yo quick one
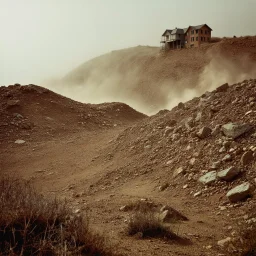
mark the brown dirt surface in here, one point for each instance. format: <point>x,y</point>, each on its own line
<point>104,156</point>
<point>105,168</point>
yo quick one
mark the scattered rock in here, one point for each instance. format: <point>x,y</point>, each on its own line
<point>198,193</point>
<point>163,216</point>
<point>240,192</point>
<point>124,208</point>
<point>223,88</point>
<point>19,141</point>
<point>215,165</point>
<point>224,242</point>
<point>178,171</point>
<point>192,161</point>
<point>204,132</point>
<point>12,103</point>
<point>163,187</point>
<point>208,178</point>
<point>216,130</point>
<point>167,131</point>
<point>247,158</point>
<point>181,105</point>
<point>227,158</point>
<point>234,130</point>
<point>228,174</point>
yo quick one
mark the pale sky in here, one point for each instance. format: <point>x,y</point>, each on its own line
<point>42,39</point>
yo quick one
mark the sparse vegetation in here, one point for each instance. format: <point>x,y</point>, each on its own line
<point>249,241</point>
<point>149,225</point>
<point>32,225</point>
<point>147,222</point>
<point>142,206</point>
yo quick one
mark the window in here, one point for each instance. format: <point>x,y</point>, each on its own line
<point>205,31</point>
<point>202,39</point>
<point>202,31</point>
<point>197,31</point>
<point>196,38</point>
<point>192,32</point>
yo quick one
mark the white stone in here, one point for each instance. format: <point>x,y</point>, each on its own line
<point>19,141</point>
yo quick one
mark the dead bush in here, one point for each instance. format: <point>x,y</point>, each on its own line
<point>248,239</point>
<point>149,225</point>
<point>142,206</point>
<point>32,225</point>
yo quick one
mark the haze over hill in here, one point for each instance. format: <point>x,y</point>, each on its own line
<point>150,80</point>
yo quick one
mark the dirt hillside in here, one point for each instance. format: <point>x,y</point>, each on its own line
<point>32,111</point>
<point>189,158</point>
<point>149,80</point>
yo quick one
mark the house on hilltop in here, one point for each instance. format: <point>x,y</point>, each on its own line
<point>193,36</point>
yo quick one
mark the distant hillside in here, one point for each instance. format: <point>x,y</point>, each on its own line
<point>149,80</point>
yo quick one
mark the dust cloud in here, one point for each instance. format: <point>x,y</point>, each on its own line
<point>150,96</point>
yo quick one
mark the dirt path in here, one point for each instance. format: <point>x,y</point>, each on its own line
<point>65,167</point>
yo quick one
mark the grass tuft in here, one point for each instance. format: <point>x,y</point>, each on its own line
<point>32,225</point>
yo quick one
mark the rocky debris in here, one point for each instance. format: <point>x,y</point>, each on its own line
<point>167,213</point>
<point>247,158</point>
<point>19,141</point>
<point>163,187</point>
<point>224,242</point>
<point>164,216</point>
<point>223,88</point>
<point>181,105</point>
<point>216,130</point>
<point>12,103</point>
<point>227,158</point>
<point>228,174</point>
<point>204,132</point>
<point>198,194</point>
<point>208,178</point>
<point>215,165</point>
<point>124,208</point>
<point>234,130</point>
<point>178,171</point>
<point>240,192</point>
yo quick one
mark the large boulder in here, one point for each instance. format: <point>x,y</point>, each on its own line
<point>228,174</point>
<point>208,178</point>
<point>240,192</point>
<point>234,130</point>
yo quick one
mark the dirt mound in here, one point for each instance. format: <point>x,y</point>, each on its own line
<point>149,80</point>
<point>32,110</point>
<point>171,139</point>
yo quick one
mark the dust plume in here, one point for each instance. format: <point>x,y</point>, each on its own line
<point>150,92</point>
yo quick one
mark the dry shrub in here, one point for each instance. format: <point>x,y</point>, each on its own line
<point>142,206</point>
<point>149,225</point>
<point>147,222</point>
<point>32,225</point>
<point>249,241</point>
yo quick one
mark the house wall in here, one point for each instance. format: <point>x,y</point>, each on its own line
<point>203,35</point>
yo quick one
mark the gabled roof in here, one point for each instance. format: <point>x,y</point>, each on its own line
<point>177,31</point>
<point>185,30</point>
<point>199,26</point>
<point>167,30</point>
